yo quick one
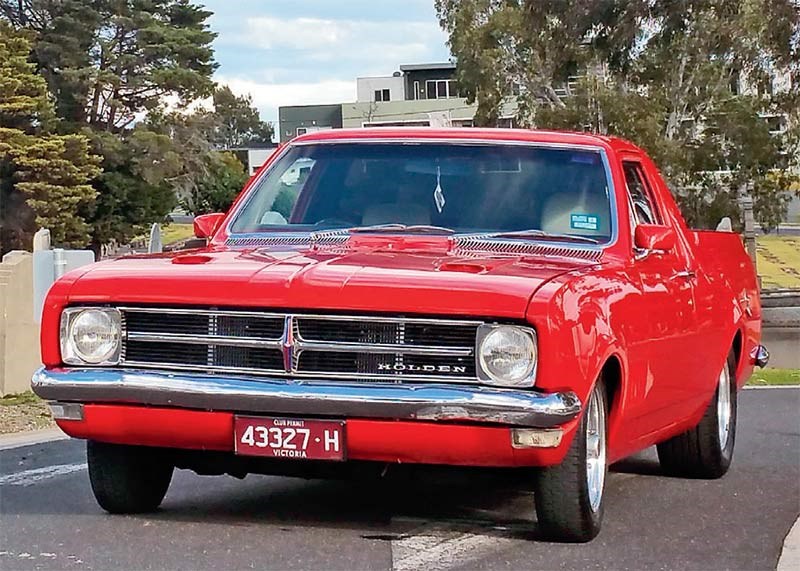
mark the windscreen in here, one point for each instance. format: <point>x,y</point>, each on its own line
<point>467,188</point>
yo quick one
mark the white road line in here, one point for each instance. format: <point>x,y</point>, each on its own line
<point>789,559</point>
<point>438,550</point>
<point>30,477</point>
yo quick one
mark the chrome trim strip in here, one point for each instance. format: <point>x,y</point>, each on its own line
<point>382,348</point>
<point>388,378</point>
<point>255,342</point>
<point>447,141</point>
<point>209,312</point>
<point>273,315</point>
<point>612,194</point>
<point>381,319</point>
<point>440,402</point>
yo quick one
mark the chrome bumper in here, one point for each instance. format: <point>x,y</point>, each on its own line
<point>308,397</point>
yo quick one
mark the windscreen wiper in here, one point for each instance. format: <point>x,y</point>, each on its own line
<point>539,234</point>
<point>400,229</point>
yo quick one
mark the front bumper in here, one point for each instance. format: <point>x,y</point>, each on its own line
<point>422,402</point>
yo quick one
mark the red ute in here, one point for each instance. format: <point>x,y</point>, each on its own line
<point>468,297</point>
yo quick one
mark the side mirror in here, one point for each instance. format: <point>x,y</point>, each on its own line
<point>206,224</point>
<point>654,237</point>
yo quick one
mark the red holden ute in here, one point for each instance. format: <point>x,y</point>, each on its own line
<point>461,297</point>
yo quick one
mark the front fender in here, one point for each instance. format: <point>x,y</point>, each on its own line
<point>579,333</point>
<point>577,329</point>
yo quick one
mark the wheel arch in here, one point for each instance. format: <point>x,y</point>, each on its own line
<point>611,372</point>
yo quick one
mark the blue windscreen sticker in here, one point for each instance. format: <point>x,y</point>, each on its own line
<point>583,158</point>
<point>584,221</point>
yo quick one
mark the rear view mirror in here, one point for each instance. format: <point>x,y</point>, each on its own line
<point>654,237</point>
<point>206,224</point>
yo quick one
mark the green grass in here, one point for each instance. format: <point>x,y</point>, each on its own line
<point>176,233</point>
<point>779,261</point>
<point>21,398</point>
<point>764,377</point>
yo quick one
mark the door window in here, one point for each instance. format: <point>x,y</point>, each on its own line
<point>640,196</point>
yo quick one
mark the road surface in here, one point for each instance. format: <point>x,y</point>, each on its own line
<point>48,519</point>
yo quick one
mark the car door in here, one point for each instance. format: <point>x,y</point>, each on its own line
<point>667,307</point>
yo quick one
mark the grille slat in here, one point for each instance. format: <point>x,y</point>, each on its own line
<point>346,347</point>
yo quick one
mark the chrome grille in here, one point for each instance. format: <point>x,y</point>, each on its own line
<point>364,348</point>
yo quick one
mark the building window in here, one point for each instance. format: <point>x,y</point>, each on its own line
<point>777,123</point>
<point>417,91</point>
<point>383,95</point>
<point>405,123</point>
<point>302,131</point>
<point>505,122</point>
<point>440,89</point>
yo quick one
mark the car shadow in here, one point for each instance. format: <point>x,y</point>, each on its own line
<point>491,503</point>
<point>386,509</point>
<point>644,464</point>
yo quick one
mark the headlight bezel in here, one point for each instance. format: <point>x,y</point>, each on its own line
<point>72,355</point>
<point>485,375</point>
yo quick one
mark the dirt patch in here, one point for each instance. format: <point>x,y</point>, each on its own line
<point>24,416</point>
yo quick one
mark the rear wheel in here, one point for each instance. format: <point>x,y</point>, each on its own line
<point>128,479</point>
<point>569,496</point>
<point>706,450</point>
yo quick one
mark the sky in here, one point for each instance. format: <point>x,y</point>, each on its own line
<point>300,52</point>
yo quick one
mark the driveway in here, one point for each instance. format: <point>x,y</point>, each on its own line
<point>48,519</point>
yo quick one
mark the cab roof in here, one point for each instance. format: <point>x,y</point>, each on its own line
<point>468,134</point>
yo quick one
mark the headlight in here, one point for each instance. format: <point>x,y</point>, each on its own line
<point>507,355</point>
<point>90,336</point>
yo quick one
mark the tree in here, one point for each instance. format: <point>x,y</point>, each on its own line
<point>238,122</point>
<point>109,61</point>
<point>658,72</point>
<point>225,177</point>
<point>109,64</point>
<point>45,177</point>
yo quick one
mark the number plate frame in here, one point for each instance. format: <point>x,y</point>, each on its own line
<point>315,448</point>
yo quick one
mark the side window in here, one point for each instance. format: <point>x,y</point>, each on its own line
<point>643,207</point>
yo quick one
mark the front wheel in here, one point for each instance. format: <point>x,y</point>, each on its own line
<point>569,496</point>
<point>128,479</point>
<point>706,450</point>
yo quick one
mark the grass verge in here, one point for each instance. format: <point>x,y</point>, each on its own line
<point>176,233</point>
<point>21,398</point>
<point>775,377</point>
<point>778,261</point>
<point>23,412</point>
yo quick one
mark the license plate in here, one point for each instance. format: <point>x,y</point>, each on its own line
<point>289,438</point>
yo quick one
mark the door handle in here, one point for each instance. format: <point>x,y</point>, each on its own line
<point>685,274</point>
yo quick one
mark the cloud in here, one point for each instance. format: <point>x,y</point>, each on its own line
<point>362,41</point>
<point>269,96</point>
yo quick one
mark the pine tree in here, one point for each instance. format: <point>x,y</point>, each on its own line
<point>45,177</point>
<point>108,64</point>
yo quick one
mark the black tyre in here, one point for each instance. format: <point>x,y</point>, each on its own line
<point>128,479</point>
<point>569,496</point>
<point>706,450</point>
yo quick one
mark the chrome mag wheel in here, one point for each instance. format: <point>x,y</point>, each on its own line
<point>595,451</point>
<point>724,407</point>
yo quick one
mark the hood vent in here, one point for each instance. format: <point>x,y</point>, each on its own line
<point>461,246</point>
<point>472,245</point>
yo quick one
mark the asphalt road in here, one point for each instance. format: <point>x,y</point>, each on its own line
<point>48,519</point>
